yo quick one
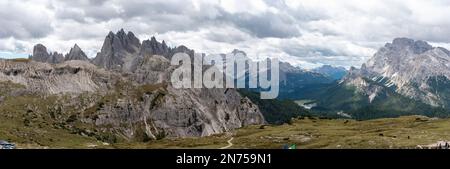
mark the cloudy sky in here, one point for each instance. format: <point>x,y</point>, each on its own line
<point>306,33</point>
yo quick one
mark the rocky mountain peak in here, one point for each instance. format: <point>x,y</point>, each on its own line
<point>153,39</point>
<point>76,54</point>
<point>76,47</point>
<point>121,32</point>
<point>56,57</point>
<point>153,47</point>
<point>117,50</point>
<point>411,67</point>
<point>182,49</point>
<point>110,35</point>
<point>39,48</point>
<point>40,54</point>
<point>288,68</point>
<point>121,51</point>
<point>417,46</point>
<point>403,42</point>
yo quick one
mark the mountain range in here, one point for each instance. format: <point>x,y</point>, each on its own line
<point>121,94</point>
<point>404,77</point>
<point>332,72</point>
<point>124,94</point>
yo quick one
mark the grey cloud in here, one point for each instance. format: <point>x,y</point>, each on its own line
<point>309,51</point>
<point>82,11</point>
<point>150,9</point>
<point>19,23</point>
<point>301,14</point>
<point>71,13</point>
<point>224,37</point>
<point>265,25</point>
<point>165,16</point>
<point>227,34</point>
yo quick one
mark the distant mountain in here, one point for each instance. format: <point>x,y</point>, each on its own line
<point>41,54</point>
<point>118,50</point>
<point>297,83</point>
<point>294,82</point>
<point>414,68</point>
<point>121,51</point>
<point>76,54</point>
<point>335,73</point>
<point>403,77</point>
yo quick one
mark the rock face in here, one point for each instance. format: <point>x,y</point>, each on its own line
<point>68,77</point>
<point>121,51</point>
<point>153,47</point>
<point>117,51</point>
<point>125,92</point>
<point>178,112</point>
<point>40,54</point>
<point>76,54</point>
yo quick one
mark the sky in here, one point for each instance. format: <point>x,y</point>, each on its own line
<point>305,33</point>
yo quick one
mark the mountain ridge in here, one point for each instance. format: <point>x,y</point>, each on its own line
<point>123,93</point>
<point>404,77</point>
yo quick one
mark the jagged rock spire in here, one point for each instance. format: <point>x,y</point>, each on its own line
<point>40,54</point>
<point>153,47</point>
<point>76,54</point>
<point>116,49</point>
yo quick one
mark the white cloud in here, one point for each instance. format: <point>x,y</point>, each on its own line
<point>239,6</point>
<point>23,20</point>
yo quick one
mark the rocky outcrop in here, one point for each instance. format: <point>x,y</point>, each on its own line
<point>185,112</point>
<point>68,77</point>
<point>122,51</point>
<point>76,54</point>
<point>153,47</point>
<point>178,113</point>
<point>118,51</point>
<point>56,57</point>
<point>40,54</point>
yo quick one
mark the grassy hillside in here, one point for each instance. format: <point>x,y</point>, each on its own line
<point>33,121</point>
<point>391,133</point>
